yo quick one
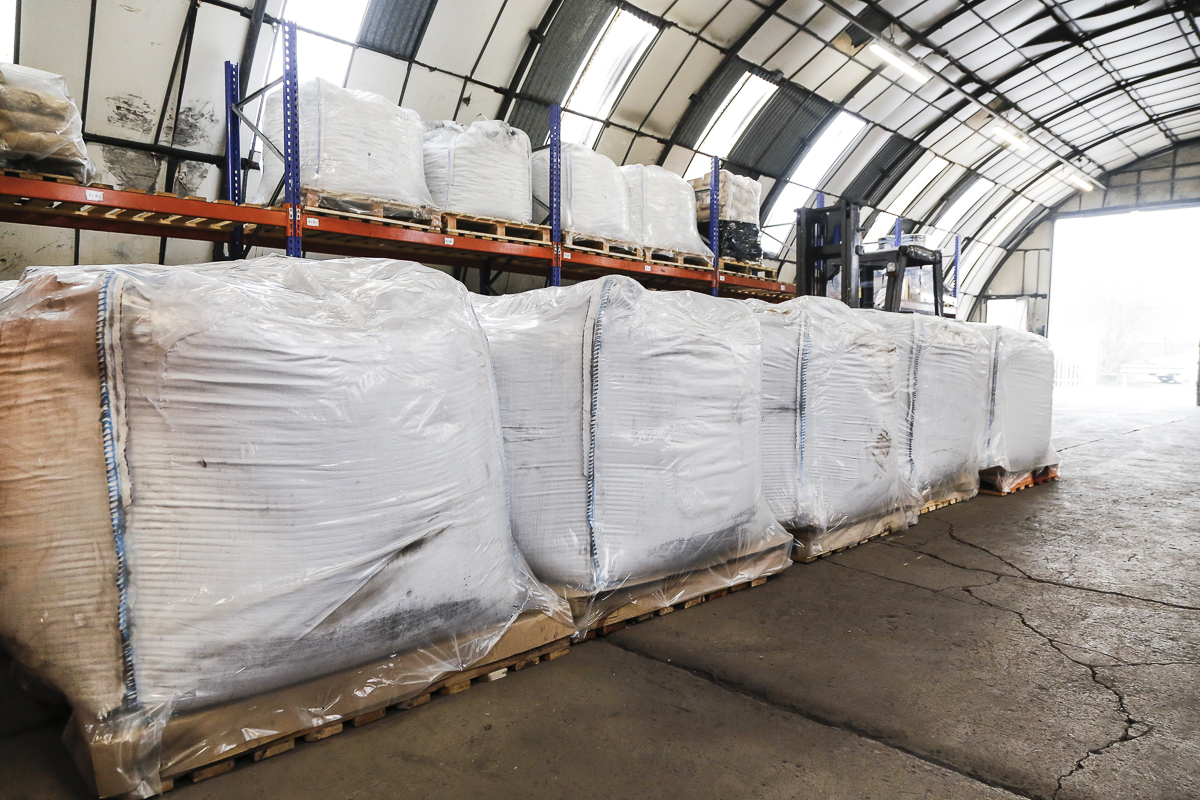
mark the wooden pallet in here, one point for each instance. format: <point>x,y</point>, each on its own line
<point>375,209</point>
<point>607,247</point>
<point>629,615</point>
<point>450,685</point>
<point>457,224</point>
<point>803,558</point>
<point>692,260</point>
<point>934,505</point>
<point>751,270</point>
<point>46,176</point>
<point>989,485</point>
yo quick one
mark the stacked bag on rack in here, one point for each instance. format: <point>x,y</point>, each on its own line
<point>595,199</point>
<point>631,428</point>
<point>40,126</point>
<point>483,170</point>
<point>737,214</point>
<point>359,152</point>
<point>223,480</point>
<point>662,210</point>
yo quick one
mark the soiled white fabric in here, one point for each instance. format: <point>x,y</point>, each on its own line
<point>595,200</point>
<point>1021,401</point>
<point>662,210</point>
<point>351,143</point>
<point>833,419</point>
<point>946,394</point>
<point>631,428</point>
<point>307,468</point>
<point>482,170</point>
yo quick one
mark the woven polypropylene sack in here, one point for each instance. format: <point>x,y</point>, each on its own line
<point>595,200</point>
<point>631,423</point>
<point>662,209</point>
<point>483,170</point>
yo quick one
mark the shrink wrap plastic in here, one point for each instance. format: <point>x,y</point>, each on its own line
<point>483,170</point>
<point>7,288</point>
<point>631,431</point>
<point>739,200</point>
<point>40,126</point>
<point>221,480</point>
<point>834,468</point>
<point>662,209</point>
<point>1020,404</point>
<point>357,149</point>
<point>945,391</point>
<point>595,200</point>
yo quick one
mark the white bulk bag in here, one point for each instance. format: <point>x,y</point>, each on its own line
<point>267,472</point>
<point>631,426</point>
<point>355,147</point>
<point>833,424</point>
<point>40,125</point>
<point>946,394</point>
<point>662,208</point>
<point>595,200</point>
<point>482,170</point>
<point>1021,402</point>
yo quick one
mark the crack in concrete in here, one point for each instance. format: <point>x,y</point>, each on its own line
<point>1133,727</point>
<point>712,678</point>
<point>1023,574</point>
<point>1123,433</point>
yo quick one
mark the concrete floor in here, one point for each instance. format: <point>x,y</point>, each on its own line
<point>1043,645</point>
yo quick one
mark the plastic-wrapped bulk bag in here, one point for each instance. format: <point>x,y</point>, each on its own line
<point>217,481</point>
<point>358,150</point>
<point>662,209</point>
<point>483,170</point>
<point>40,126</point>
<point>631,430</point>
<point>1020,405</point>
<point>833,425</point>
<point>595,201</point>
<point>946,395</point>
<point>7,288</point>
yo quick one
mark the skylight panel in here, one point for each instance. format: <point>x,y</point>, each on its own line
<point>812,169</point>
<point>318,56</point>
<point>8,30</point>
<point>1017,207</point>
<point>341,20</point>
<point>917,185</point>
<point>739,109</point>
<point>966,201</point>
<point>604,74</point>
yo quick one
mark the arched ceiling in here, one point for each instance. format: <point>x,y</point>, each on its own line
<point>1084,86</point>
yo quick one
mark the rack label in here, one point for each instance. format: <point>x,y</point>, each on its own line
<point>93,195</point>
<point>566,255</point>
<point>648,268</point>
<point>448,240</point>
<point>312,222</point>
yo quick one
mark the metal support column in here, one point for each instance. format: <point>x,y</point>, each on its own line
<point>954,288</point>
<point>714,223</point>
<point>291,140</point>
<point>233,152</point>
<point>556,194</point>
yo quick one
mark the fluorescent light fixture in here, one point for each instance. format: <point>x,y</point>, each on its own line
<point>898,62</point>
<point>1009,138</point>
<point>820,158</point>
<point>738,110</point>
<point>1080,182</point>
<point>604,74</point>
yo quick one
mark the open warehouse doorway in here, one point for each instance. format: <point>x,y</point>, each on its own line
<point>1123,317</point>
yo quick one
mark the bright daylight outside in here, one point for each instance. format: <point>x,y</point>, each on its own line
<point>1123,319</point>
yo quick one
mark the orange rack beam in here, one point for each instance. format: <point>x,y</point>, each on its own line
<point>46,200</point>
